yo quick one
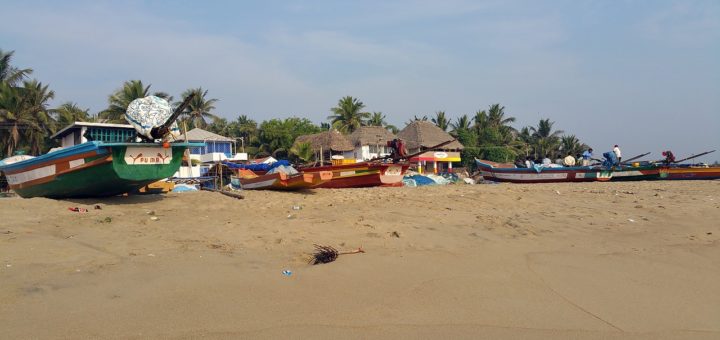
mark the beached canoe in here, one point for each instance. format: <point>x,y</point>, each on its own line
<point>499,172</point>
<point>644,172</point>
<point>689,172</point>
<point>362,174</point>
<point>93,169</point>
<point>282,181</point>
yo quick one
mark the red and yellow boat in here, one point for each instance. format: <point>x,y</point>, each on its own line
<point>363,174</point>
<point>281,181</point>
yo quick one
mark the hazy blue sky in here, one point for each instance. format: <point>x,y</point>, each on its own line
<point>643,74</point>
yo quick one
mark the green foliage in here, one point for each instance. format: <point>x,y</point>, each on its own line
<point>199,108</point>
<point>500,154</point>
<point>120,100</point>
<point>303,151</point>
<point>280,134</point>
<point>348,115</point>
<point>466,137</point>
<point>440,120</point>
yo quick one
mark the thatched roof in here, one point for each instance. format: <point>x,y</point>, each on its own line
<point>328,140</point>
<point>371,135</point>
<point>425,134</point>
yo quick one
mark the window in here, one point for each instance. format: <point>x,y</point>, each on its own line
<point>110,135</point>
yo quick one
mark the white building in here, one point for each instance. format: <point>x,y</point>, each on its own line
<point>371,142</point>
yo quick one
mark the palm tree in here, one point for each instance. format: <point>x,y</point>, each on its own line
<point>440,120</point>
<point>199,107</point>
<point>461,123</point>
<point>68,113</point>
<point>545,138</point>
<point>24,114</point>
<point>569,144</point>
<point>9,74</point>
<point>120,100</point>
<point>377,119</point>
<point>303,151</point>
<point>348,115</point>
<point>415,118</point>
<point>496,116</point>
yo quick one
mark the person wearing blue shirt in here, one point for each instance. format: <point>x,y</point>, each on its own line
<point>586,157</point>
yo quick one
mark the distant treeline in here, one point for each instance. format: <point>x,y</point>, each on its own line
<point>27,122</point>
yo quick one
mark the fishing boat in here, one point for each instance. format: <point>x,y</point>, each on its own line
<point>634,172</point>
<point>363,174</point>
<point>276,176</point>
<point>673,170</point>
<point>689,172</point>
<point>501,172</point>
<point>99,168</point>
<point>93,169</point>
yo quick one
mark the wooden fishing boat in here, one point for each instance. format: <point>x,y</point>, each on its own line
<point>93,169</point>
<point>499,172</point>
<point>364,174</point>
<point>689,172</point>
<point>281,180</point>
<point>643,172</point>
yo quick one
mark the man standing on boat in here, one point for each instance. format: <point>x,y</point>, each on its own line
<point>586,157</point>
<point>617,152</point>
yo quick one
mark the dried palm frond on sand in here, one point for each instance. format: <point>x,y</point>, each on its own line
<point>326,254</point>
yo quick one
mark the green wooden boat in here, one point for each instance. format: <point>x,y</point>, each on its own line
<point>94,169</point>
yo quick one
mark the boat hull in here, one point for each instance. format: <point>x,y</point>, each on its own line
<point>282,181</point>
<point>94,169</point>
<point>639,173</point>
<point>689,173</point>
<point>546,175</point>
<point>361,175</point>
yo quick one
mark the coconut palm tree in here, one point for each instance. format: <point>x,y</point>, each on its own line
<point>199,108</point>
<point>120,100</point>
<point>545,139</point>
<point>24,116</point>
<point>348,115</point>
<point>303,151</point>
<point>440,120</point>
<point>461,123</point>
<point>9,74</point>
<point>569,144</point>
<point>68,113</point>
<point>496,116</point>
<point>377,119</point>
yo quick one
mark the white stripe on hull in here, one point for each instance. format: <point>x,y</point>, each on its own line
<point>525,176</point>
<point>31,175</point>
<point>261,184</point>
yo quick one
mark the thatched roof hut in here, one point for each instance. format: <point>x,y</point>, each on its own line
<point>328,140</point>
<point>423,134</point>
<point>371,135</point>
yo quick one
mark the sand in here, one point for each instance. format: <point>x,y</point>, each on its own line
<point>634,260</point>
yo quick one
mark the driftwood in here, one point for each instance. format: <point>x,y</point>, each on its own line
<point>327,254</point>
<point>226,193</point>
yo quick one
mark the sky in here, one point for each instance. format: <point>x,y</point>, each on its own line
<point>641,74</point>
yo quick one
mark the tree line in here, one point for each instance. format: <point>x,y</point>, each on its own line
<point>27,122</point>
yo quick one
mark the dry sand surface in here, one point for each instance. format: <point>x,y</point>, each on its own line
<point>593,261</point>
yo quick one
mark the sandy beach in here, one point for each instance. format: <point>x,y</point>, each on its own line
<point>636,260</point>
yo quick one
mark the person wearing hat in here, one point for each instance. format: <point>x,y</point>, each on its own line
<point>617,152</point>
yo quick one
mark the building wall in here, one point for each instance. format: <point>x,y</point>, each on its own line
<point>212,147</point>
<point>366,152</point>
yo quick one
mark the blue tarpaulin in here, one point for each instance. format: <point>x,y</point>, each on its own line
<point>257,167</point>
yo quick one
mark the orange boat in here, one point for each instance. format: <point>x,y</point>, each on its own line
<point>364,174</point>
<point>280,180</point>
